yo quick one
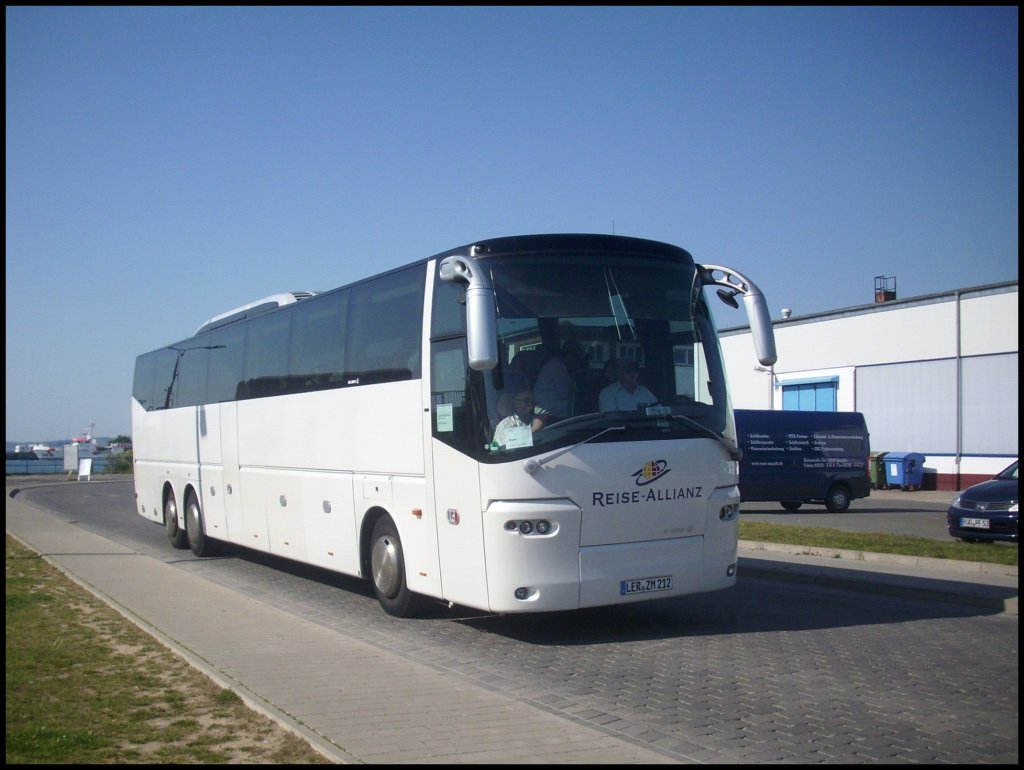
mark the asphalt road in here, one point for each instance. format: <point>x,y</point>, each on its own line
<point>920,513</point>
<point>764,672</point>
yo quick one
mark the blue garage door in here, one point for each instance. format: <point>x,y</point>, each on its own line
<point>810,396</point>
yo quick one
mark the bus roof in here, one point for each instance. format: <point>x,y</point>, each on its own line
<point>254,308</point>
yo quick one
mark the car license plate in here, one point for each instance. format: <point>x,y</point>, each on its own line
<point>974,523</point>
<point>645,585</point>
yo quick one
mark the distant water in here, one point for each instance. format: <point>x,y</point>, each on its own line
<point>58,444</point>
<point>50,465</point>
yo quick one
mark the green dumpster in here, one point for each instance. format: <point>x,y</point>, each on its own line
<point>876,470</point>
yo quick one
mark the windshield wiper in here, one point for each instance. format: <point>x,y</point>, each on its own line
<point>533,465</point>
<point>627,420</point>
<point>656,412</point>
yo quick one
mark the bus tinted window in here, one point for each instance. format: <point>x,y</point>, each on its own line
<point>266,355</point>
<point>153,374</point>
<point>227,355</point>
<point>190,385</point>
<point>163,378</point>
<point>384,328</point>
<point>449,315</point>
<point>317,358</point>
<point>142,384</point>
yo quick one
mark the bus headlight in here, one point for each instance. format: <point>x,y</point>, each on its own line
<point>529,527</point>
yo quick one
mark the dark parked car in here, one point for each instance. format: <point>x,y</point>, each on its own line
<point>987,511</point>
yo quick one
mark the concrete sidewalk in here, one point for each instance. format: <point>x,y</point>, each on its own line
<point>354,702</point>
<point>357,703</point>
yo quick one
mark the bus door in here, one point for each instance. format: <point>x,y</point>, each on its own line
<point>456,477</point>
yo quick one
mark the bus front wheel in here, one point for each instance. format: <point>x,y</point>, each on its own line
<point>387,569</point>
<point>175,533</point>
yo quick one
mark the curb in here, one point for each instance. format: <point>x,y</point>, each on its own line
<point>857,574</point>
<point>951,565</point>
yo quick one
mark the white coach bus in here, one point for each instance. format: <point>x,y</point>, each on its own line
<point>355,429</point>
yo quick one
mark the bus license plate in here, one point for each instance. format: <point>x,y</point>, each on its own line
<point>974,523</point>
<point>645,585</point>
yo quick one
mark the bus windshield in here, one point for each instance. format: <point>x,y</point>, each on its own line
<point>591,342</point>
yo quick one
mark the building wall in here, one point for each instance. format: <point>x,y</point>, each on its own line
<point>935,374</point>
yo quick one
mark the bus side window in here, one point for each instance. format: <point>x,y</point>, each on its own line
<point>317,350</point>
<point>227,352</point>
<point>448,393</point>
<point>191,385</point>
<point>266,354</point>
<point>385,325</point>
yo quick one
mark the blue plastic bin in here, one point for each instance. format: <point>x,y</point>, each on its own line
<point>904,469</point>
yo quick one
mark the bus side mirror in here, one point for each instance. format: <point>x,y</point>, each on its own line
<point>761,328</point>
<point>481,310</point>
<point>757,309</point>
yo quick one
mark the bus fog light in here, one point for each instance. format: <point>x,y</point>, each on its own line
<point>522,593</point>
<point>729,512</point>
<point>730,571</point>
<point>525,527</point>
<point>543,527</point>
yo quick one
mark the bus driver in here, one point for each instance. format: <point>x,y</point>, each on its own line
<point>524,412</point>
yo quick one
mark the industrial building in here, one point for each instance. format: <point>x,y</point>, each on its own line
<point>934,374</point>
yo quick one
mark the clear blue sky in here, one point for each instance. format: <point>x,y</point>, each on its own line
<point>167,164</point>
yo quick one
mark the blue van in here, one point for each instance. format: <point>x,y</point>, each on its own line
<point>797,457</point>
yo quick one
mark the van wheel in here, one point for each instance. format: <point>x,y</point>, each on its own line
<point>175,533</point>
<point>838,499</point>
<point>195,529</point>
<point>387,570</point>
<point>791,505</point>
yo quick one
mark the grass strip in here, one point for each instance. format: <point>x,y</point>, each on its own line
<point>85,686</point>
<point>906,545</point>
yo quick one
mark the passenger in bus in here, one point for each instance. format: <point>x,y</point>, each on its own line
<point>519,411</point>
<point>554,382</point>
<point>627,394</point>
<point>611,370</point>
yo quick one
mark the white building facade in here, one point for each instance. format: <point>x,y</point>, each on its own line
<point>934,374</point>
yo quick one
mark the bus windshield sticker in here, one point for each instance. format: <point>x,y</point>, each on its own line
<point>445,423</point>
<point>518,437</point>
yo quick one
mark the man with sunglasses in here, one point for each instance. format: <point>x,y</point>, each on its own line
<point>627,394</point>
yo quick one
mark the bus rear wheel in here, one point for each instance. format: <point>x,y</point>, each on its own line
<point>195,530</point>
<point>175,533</point>
<point>387,570</point>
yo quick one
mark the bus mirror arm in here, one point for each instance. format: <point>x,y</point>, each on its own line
<point>754,301</point>
<point>481,310</point>
<point>533,465</point>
